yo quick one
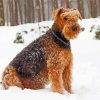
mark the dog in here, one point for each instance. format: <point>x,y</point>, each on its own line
<point>47,59</point>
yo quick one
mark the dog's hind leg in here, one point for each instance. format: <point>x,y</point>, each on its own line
<point>11,78</point>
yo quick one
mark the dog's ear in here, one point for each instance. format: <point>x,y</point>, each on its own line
<point>57,12</point>
<point>80,17</point>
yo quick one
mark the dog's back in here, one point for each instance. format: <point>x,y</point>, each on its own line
<point>30,60</point>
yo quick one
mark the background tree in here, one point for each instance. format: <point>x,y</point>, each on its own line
<point>1,13</point>
<point>29,11</point>
<point>81,7</point>
<point>93,8</point>
<point>38,10</point>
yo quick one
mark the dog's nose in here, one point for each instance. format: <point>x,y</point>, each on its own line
<point>74,28</point>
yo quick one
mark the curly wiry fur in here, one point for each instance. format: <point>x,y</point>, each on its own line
<point>48,58</point>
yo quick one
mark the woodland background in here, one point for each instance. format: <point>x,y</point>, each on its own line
<point>15,12</point>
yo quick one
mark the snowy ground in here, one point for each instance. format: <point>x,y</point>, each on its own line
<point>86,69</point>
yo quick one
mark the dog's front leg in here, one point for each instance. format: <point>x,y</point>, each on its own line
<point>55,76</point>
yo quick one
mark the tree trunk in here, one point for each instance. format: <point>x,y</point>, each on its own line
<point>2,21</point>
<point>38,10</point>
<point>20,11</point>
<point>55,4</point>
<point>93,8</point>
<point>16,22</point>
<point>43,13</point>
<point>81,7</point>
<point>98,7</point>
<point>67,4</point>
<point>25,7</point>
<point>64,3</point>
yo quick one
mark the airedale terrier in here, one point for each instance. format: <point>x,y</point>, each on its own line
<point>48,59</point>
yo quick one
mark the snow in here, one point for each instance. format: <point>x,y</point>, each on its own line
<point>86,65</point>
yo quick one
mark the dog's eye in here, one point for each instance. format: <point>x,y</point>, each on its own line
<point>65,18</point>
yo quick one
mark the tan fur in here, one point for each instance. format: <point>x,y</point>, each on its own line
<point>11,78</point>
<point>56,72</point>
<point>67,76</point>
<point>57,69</point>
<point>38,82</point>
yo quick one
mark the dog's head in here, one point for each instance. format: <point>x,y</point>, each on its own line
<point>67,21</point>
